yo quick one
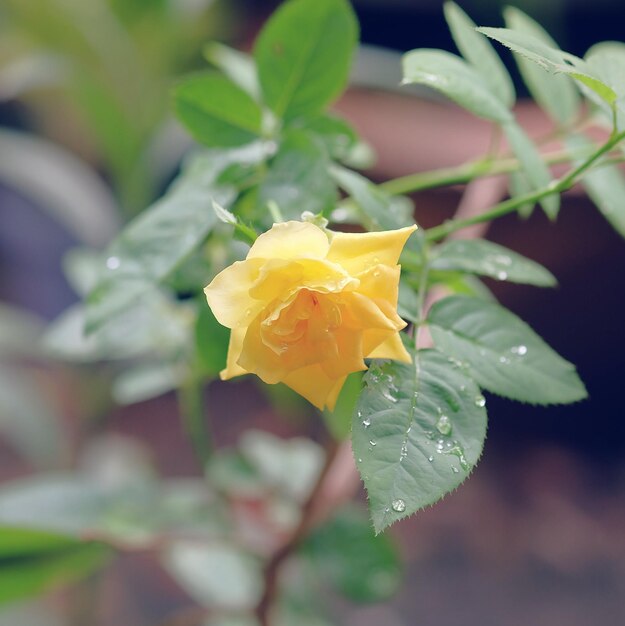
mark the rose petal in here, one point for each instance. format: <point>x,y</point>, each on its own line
<point>358,252</point>
<point>232,368</point>
<point>291,240</point>
<point>315,385</point>
<point>228,294</point>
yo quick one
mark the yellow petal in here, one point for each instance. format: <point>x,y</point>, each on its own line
<point>232,369</point>
<point>291,240</point>
<point>391,348</point>
<point>315,385</point>
<point>228,294</point>
<point>357,252</point>
<point>256,357</point>
<point>381,282</point>
<point>362,312</point>
<point>349,357</point>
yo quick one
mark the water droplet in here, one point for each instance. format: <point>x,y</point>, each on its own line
<point>248,312</point>
<point>359,460</point>
<point>519,350</point>
<point>443,425</point>
<point>366,422</point>
<point>404,451</point>
<point>502,275</point>
<point>455,470</point>
<point>113,262</point>
<point>376,273</point>
<point>372,443</point>
<point>480,400</point>
<point>387,393</point>
<point>456,450</point>
<point>359,413</point>
<point>430,458</point>
<point>399,506</point>
<point>376,260</point>
<point>504,360</point>
<point>429,434</point>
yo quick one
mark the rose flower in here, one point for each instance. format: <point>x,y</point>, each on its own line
<point>307,307</point>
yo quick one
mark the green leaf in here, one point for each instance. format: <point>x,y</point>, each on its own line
<point>502,353</point>
<point>607,60</point>
<point>298,178</point>
<point>417,433</point>
<point>236,65</point>
<point>211,341</point>
<point>216,111</point>
<point>605,186</point>
<point>379,209</point>
<point>339,421</point>
<point>336,134</point>
<point>518,185</point>
<point>534,168</point>
<point>551,60</point>
<point>145,381</point>
<point>477,50</point>
<point>554,94</point>
<point>153,245</point>
<point>456,79</point>
<point>289,466</point>
<point>489,259</point>
<point>218,575</point>
<point>347,555</point>
<point>304,54</point>
<point>33,574</point>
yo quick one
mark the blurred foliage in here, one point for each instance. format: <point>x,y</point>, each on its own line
<point>106,67</point>
<point>269,151</point>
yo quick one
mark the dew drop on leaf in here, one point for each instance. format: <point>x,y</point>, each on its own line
<point>399,506</point>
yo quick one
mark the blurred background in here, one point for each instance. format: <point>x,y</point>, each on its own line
<point>536,535</point>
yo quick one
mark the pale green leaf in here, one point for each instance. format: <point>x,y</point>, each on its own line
<point>304,53</point>
<point>490,259</point>
<point>145,381</point>
<point>551,60</point>
<point>605,186</point>
<point>416,434</point>
<point>556,95</point>
<point>378,210</point>
<point>607,60</point>
<point>298,178</point>
<point>456,79</point>
<point>502,353</point>
<point>535,170</point>
<point>218,575</point>
<point>154,244</point>
<point>477,50</point>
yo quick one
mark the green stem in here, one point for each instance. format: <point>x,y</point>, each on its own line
<point>466,172</point>
<point>503,208</point>
<point>194,418</point>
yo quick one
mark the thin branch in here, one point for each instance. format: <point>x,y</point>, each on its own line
<point>308,518</point>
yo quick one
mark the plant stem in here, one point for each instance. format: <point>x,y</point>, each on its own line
<point>503,208</point>
<point>194,419</point>
<point>273,567</point>
<point>467,172</point>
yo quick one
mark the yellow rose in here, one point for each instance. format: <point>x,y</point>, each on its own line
<point>307,307</point>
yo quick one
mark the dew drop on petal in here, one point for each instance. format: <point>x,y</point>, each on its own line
<point>372,443</point>
<point>366,423</point>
